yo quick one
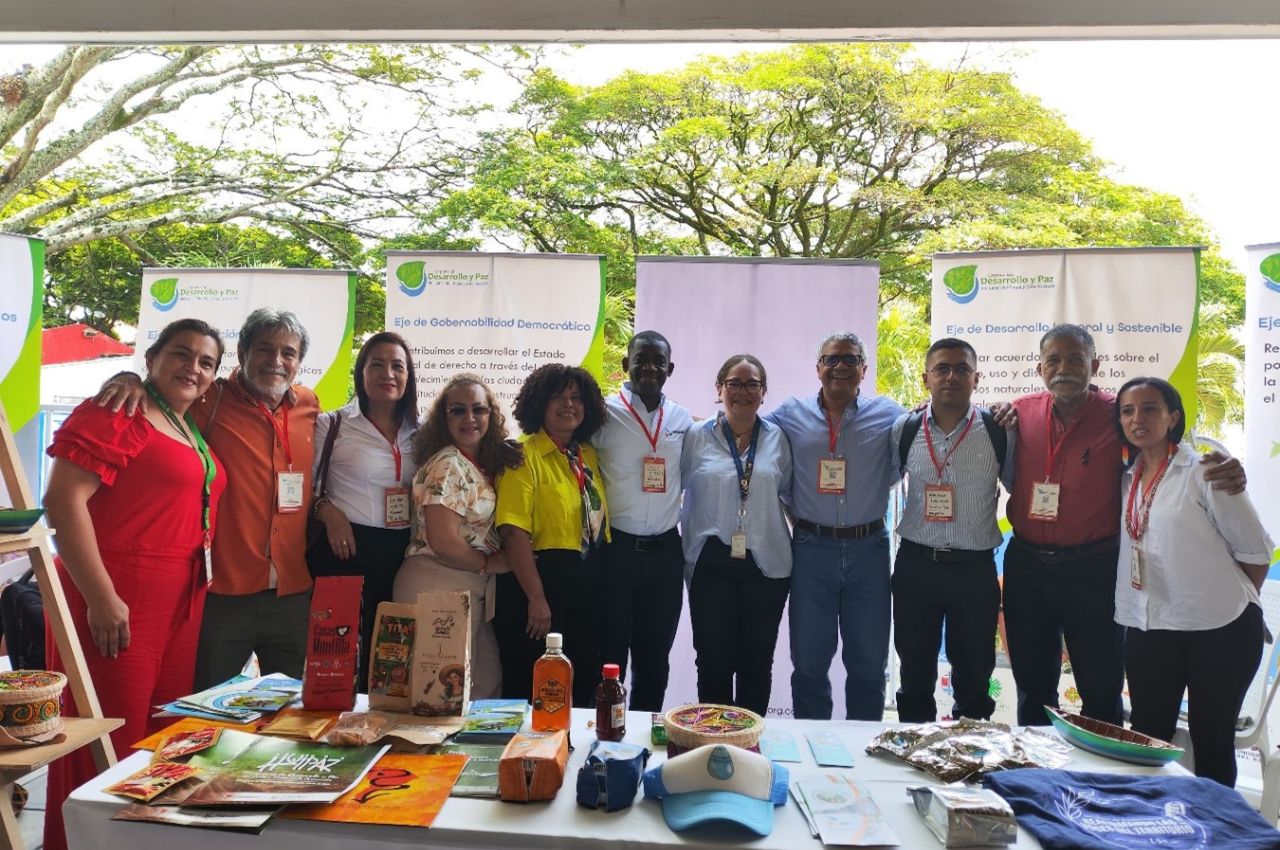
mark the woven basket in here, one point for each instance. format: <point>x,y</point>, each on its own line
<point>31,702</point>
<point>692,726</point>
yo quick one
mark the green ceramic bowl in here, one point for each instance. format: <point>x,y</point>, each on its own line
<point>18,522</point>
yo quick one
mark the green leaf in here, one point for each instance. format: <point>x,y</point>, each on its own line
<point>410,274</point>
<point>961,280</point>
<point>1270,268</point>
<point>164,289</point>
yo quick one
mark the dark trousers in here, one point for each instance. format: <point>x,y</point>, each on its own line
<point>964,594</point>
<point>1214,667</point>
<point>235,627</point>
<point>735,611</point>
<point>644,592</point>
<point>379,553</point>
<point>574,588</point>
<point>1046,601</point>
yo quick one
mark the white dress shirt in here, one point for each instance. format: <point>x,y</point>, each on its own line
<point>362,466</point>
<point>1196,534</point>
<point>623,446</point>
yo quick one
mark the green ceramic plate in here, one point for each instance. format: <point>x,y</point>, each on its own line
<point>18,522</point>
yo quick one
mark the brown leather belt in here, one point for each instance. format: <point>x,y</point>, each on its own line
<point>840,532</point>
<point>1062,554</point>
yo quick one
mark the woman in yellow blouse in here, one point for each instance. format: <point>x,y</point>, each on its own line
<point>552,517</point>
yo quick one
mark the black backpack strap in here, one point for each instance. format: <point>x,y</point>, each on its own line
<point>999,436</point>
<point>321,482</point>
<point>909,430</point>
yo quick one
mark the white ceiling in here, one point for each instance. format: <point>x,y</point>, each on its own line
<point>629,20</point>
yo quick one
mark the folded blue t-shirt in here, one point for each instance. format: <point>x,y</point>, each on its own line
<point>1070,810</point>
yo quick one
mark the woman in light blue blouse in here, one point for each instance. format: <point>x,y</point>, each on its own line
<point>737,549</point>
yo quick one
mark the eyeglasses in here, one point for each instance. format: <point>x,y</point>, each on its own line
<point>734,384</point>
<point>479,411</point>
<point>833,360</point>
<point>960,370</point>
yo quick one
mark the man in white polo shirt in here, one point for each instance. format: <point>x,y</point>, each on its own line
<point>639,450</point>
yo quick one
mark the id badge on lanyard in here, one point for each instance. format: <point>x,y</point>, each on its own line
<point>290,491</point>
<point>1137,568</point>
<point>655,475</point>
<point>397,507</point>
<point>653,472</point>
<point>939,503</point>
<point>1044,501</point>
<point>831,476</point>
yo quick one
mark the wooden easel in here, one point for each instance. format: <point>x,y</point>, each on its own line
<point>90,728</point>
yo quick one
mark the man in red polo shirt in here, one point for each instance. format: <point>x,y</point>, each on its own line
<point>1060,567</point>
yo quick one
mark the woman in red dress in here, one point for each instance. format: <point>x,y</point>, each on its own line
<point>133,502</point>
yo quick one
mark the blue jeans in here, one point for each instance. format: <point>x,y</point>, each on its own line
<point>839,585</point>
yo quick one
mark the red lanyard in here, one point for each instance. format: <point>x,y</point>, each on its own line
<point>833,432</point>
<point>657,430</point>
<point>1051,451</point>
<point>1137,526</point>
<point>282,432</point>
<point>395,447</point>
<point>928,439</point>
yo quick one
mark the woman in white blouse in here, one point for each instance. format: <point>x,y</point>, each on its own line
<point>454,545</point>
<point>1192,560</point>
<point>366,504</point>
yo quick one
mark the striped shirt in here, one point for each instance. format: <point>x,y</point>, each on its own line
<point>972,470</point>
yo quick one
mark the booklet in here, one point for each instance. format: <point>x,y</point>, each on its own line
<point>401,789</point>
<point>843,812</point>
<point>491,721</point>
<point>242,699</point>
<point>236,819</point>
<point>480,777</point>
<point>244,768</point>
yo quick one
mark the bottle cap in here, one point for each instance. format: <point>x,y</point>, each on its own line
<point>554,640</point>
<point>611,671</point>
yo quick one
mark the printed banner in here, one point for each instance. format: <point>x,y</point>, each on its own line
<point>1140,305</point>
<point>1262,382</point>
<point>498,315</point>
<point>21,312</point>
<point>779,310</point>
<point>323,300</point>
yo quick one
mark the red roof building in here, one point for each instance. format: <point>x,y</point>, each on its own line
<point>76,343</point>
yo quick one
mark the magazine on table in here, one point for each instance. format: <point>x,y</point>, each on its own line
<point>241,699</point>
<point>250,819</point>
<point>491,721</point>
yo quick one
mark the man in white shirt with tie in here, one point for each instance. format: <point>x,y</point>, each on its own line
<point>639,450</point>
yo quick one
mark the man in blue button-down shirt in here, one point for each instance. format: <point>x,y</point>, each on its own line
<point>840,551</point>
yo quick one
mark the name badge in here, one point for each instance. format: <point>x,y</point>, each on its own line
<point>655,475</point>
<point>290,491</point>
<point>738,545</point>
<point>1044,501</point>
<point>831,476</point>
<point>208,560</point>
<point>397,504</point>
<point>939,503</point>
<point>1137,569</point>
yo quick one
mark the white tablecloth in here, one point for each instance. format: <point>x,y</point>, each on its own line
<point>557,825</point>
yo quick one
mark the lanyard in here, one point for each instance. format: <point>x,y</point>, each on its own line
<point>196,440</point>
<point>657,430</point>
<point>282,432</point>
<point>744,469</point>
<point>1051,451</point>
<point>833,432</point>
<point>573,454</point>
<point>1137,525</point>
<point>474,462</point>
<point>928,439</point>
<point>395,448</point>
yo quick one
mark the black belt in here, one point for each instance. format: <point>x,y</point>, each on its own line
<point>643,544</point>
<point>1061,554</point>
<point>949,556</point>
<point>840,532</point>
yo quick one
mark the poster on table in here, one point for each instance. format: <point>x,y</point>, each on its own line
<point>21,311</point>
<point>710,308</point>
<point>324,301</point>
<point>1262,381</point>
<point>1140,305</point>
<point>498,315</point>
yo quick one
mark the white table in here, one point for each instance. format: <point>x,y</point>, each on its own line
<point>560,824</point>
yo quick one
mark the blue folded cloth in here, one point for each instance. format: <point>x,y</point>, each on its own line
<point>611,775</point>
<point>1072,810</point>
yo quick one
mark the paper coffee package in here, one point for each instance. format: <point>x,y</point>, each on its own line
<point>391,656</point>
<point>532,766</point>
<point>333,644</point>
<point>440,679</point>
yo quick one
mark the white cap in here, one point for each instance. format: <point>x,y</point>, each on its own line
<point>555,640</point>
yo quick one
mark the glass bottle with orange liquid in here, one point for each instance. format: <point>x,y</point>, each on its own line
<point>552,687</point>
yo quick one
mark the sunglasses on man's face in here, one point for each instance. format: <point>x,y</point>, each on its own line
<point>458,410</point>
<point>833,360</point>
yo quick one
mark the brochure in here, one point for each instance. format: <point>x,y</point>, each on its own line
<point>244,768</point>
<point>243,699</point>
<point>237,819</point>
<point>401,790</point>
<point>491,721</point>
<point>843,812</point>
<point>480,777</point>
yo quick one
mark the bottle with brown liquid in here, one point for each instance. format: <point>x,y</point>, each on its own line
<point>552,687</point>
<point>611,706</point>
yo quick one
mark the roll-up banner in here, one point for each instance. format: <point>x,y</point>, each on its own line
<point>1262,382</point>
<point>1140,305</point>
<point>21,311</point>
<point>323,300</point>
<point>711,308</point>
<point>498,315</point>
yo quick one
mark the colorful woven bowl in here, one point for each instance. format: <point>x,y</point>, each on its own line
<point>1112,741</point>
<point>31,702</point>
<point>692,726</point>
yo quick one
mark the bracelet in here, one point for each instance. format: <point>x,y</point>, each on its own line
<point>317,505</point>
